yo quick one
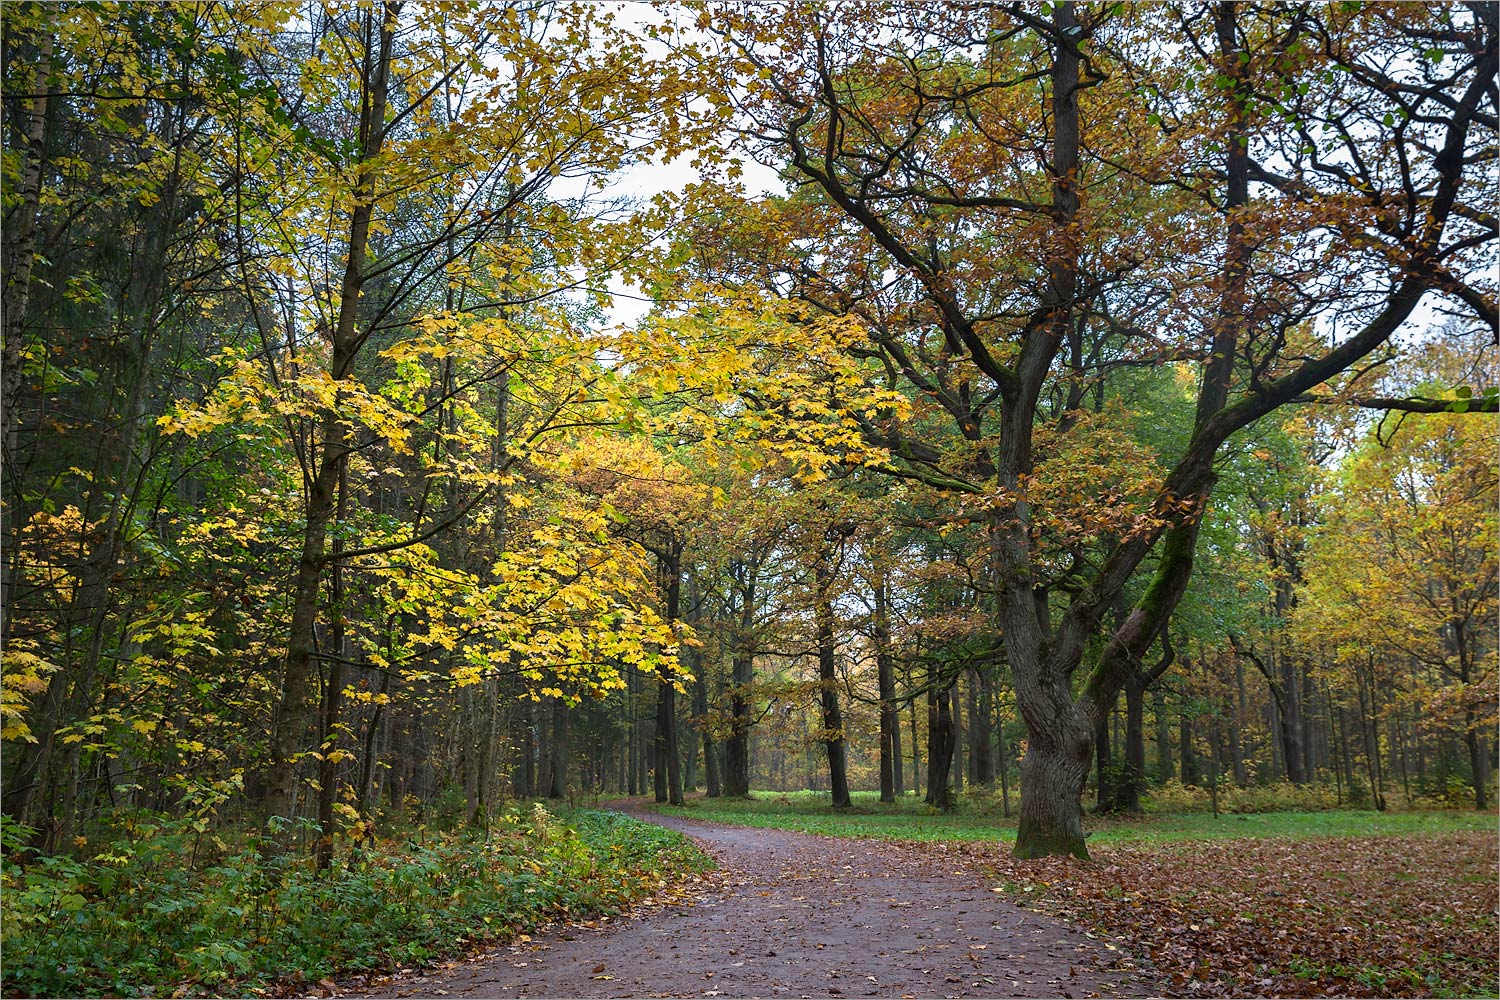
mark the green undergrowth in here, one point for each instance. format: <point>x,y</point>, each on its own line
<point>137,918</point>
<point>977,819</point>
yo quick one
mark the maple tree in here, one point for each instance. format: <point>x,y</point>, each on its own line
<point>1420,514</point>
<point>1025,418</point>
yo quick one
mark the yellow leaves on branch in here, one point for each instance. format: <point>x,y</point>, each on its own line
<point>776,374</point>
<point>25,675</point>
<point>245,398</point>
<point>565,606</point>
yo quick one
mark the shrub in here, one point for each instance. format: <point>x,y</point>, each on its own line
<point>138,917</point>
<point>1175,797</point>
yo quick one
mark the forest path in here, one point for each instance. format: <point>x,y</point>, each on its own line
<point>793,915</point>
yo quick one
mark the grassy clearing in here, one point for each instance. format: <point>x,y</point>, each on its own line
<point>141,918</point>
<point>910,819</point>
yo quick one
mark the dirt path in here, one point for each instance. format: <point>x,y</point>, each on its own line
<point>792,915</point>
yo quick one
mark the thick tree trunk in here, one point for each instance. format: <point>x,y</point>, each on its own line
<point>1002,757</point>
<point>1053,774</point>
<point>737,745</point>
<point>956,715</point>
<point>940,740</point>
<point>898,772</point>
<point>1191,775</point>
<point>1291,720</point>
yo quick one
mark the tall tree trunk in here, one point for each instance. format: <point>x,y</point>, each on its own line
<point>1133,773</point>
<point>1053,773</point>
<point>713,787</point>
<point>1191,775</point>
<point>42,784</point>
<point>833,720</point>
<point>372,733</point>
<point>890,721</point>
<point>742,668</point>
<point>1479,764</point>
<point>1369,728</point>
<point>1002,757</point>
<point>1104,770</point>
<point>955,710</point>
<point>940,740</point>
<point>1291,719</point>
<point>668,754</point>
<point>981,730</point>
<point>20,257</point>
<point>1165,769</point>
<point>333,694</point>
<point>526,787</point>
<point>289,726</point>
<point>1055,768</point>
<point>1236,737</point>
<point>916,753</point>
<point>558,786</point>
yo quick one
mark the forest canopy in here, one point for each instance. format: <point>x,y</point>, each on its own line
<point>1094,374</point>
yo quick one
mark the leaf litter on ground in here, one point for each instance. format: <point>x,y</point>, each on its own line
<point>1362,917</point>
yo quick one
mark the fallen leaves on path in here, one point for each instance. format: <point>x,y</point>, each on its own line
<point>1364,917</point>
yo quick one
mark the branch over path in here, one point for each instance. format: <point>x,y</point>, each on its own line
<point>794,915</point>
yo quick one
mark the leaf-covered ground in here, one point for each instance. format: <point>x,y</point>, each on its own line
<point>1367,917</point>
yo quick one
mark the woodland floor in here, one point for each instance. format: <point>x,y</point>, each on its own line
<point>793,915</point>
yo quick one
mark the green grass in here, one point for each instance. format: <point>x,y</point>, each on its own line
<point>910,819</point>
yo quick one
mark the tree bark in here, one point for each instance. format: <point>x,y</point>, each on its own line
<point>890,721</point>
<point>981,730</point>
<point>833,720</point>
<point>668,756</point>
<point>333,696</point>
<point>20,256</point>
<point>558,786</point>
<point>916,753</point>
<point>1133,773</point>
<point>742,668</point>
<point>713,787</point>
<point>1053,774</point>
<point>940,740</point>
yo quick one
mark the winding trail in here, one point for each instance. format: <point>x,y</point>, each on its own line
<point>799,916</point>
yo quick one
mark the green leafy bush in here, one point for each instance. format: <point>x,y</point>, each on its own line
<point>138,917</point>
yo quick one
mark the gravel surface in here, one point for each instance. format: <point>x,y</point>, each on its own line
<point>791,916</point>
